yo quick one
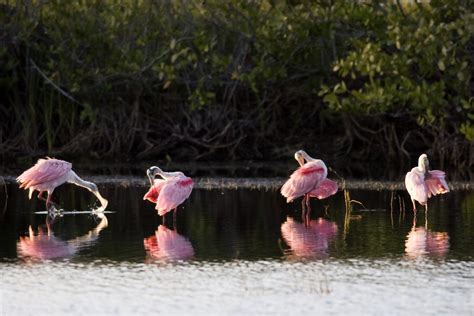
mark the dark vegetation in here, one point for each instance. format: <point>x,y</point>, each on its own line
<point>237,80</point>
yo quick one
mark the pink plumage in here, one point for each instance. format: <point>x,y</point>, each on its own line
<point>170,193</point>
<point>309,178</point>
<point>47,174</point>
<point>154,192</point>
<point>305,179</point>
<point>422,184</point>
<point>326,189</point>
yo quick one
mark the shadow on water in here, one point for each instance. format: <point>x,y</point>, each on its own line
<point>226,225</point>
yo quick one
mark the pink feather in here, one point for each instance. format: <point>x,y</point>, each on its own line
<point>43,172</point>
<point>327,188</point>
<point>305,179</point>
<point>154,191</point>
<point>436,183</point>
<point>421,188</point>
<point>174,192</point>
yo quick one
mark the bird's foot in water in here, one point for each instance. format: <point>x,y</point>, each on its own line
<point>98,211</point>
<point>54,211</point>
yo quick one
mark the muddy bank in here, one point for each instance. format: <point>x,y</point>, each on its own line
<point>252,183</point>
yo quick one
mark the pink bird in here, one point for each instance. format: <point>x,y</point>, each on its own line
<point>309,180</point>
<point>168,245</point>
<point>422,183</point>
<point>49,173</point>
<point>310,239</point>
<point>168,193</point>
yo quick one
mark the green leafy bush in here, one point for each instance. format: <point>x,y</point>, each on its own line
<point>236,79</point>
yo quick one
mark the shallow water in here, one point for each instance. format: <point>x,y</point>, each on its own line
<point>236,251</point>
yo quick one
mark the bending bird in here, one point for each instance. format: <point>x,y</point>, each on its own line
<point>47,174</point>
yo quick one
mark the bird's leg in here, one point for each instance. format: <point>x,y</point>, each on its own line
<point>414,206</point>
<point>308,212</point>
<point>48,200</point>
<point>163,219</point>
<point>174,221</point>
<point>303,208</point>
<point>40,196</point>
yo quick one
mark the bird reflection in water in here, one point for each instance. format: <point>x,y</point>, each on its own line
<point>46,246</point>
<point>167,245</point>
<point>421,241</point>
<point>309,239</point>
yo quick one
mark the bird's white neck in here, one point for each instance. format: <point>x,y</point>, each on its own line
<point>169,175</point>
<point>75,179</point>
<point>307,157</point>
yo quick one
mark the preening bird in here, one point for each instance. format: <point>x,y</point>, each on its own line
<point>422,183</point>
<point>309,180</point>
<point>168,193</point>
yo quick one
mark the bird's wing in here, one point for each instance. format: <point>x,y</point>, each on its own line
<point>416,187</point>
<point>302,181</point>
<point>44,170</point>
<point>154,191</point>
<point>325,189</point>
<point>436,183</point>
<point>173,193</point>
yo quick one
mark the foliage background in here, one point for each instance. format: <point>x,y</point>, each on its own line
<point>237,80</point>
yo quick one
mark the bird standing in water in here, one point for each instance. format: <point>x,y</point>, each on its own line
<point>422,183</point>
<point>49,173</point>
<point>309,180</point>
<point>168,193</point>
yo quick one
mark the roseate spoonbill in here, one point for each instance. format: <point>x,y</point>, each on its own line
<point>168,193</point>
<point>49,173</point>
<point>422,183</point>
<point>309,239</point>
<point>168,245</point>
<point>309,180</point>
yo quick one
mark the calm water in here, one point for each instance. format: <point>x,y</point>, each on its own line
<point>236,251</point>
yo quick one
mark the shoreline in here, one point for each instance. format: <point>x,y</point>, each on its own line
<point>209,183</point>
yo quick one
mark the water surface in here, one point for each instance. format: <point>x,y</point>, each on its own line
<point>237,251</point>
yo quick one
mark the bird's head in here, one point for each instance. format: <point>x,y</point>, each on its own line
<point>423,163</point>
<point>152,172</point>
<point>299,156</point>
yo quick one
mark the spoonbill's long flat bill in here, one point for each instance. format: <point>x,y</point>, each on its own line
<point>422,183</point>
<point>47,174</point>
